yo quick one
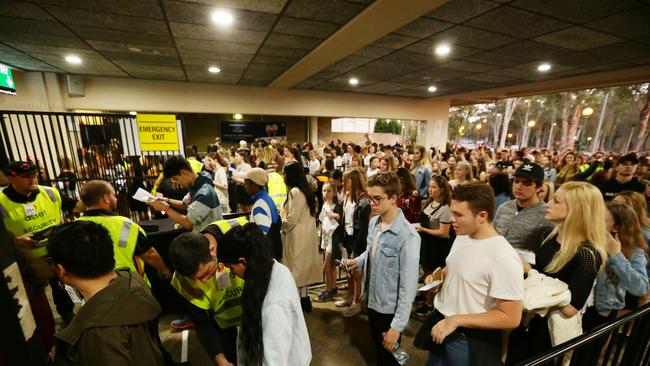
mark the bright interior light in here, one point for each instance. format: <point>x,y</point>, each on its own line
<point>237,116</point>
<point>443,49</point>
<point>214,69</point>
<point>544,67</point>
<point>432,89</point>
<point>135,49</point>
<point>222,17</point>
<point>353,81</point>
<point>133,113</point>
<point>73,59</point>
<point>531,123</point>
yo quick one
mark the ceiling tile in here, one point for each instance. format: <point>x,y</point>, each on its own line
<point>301,27</point>
<point>198,31</point>
<point>468,66</point>
<point>372,51</point>
<point>71,16</point>
<point>381,70</point>
<point>263,72</point>
<point>582,60</point>
<point>124,47</point>
<point>51,28</point>
<point>140,8</point>
<point>431,75</point>
<point>273,51</point>
<point>348,63</point>
<point>336,85</point>
<point>227,67</point>
<point>182,12</point>
<point>632,24</point>
<point>221,46</point>
<point>326,74</point>
<point>426,47</point>
<point>97,34</point>
<point>515,22</point>
<point>383,87</point>
<point>494,58</point>
<point>576,11</point>
<point>578,38</point>
<point>254,82</point>
<point>458,11</point>
<point>221,78</point>
<point>275,60</point>
<point>534,50</point>
<point>42,39</point>
<point>411,58</point>
<point>22,9</point>
<point>394,41</point>
<point>423,27</point>
<point>289,41</point>
<point>140,58</point>
<point>471,37</point>
<point>19,59</point>
<point>308,83</point>
<point>264,6</point>
<point>339,12</point>
<point>623,51</point>
<point>200,56</point>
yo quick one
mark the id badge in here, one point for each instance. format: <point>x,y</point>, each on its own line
<point>223,279</point>
<point>30,210</point>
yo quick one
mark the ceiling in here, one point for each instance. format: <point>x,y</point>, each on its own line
<point>495,44</point>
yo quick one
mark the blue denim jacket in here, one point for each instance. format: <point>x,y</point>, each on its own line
<point>621,276</point>
<point>422,180</point>
<point>393,270</point>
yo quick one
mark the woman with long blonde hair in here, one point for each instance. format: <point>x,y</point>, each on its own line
<point>574,253</point>
<point>462,174</point>
<point>421,170</point>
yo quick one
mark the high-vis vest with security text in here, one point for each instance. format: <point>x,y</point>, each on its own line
<point>124,234</point>
<point>224,304</point>
<point>34,217</point>
<point>277,189</point>
<point>196,165</point>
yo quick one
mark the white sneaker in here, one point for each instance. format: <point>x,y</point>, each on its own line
<point>347,301</point>
<point>353,310</point>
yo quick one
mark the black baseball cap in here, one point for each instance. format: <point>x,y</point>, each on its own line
<point>531,171</point>
<point>20,167</point>
<point>629,157</point>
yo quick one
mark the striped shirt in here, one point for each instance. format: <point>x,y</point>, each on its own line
<point>264,212</point>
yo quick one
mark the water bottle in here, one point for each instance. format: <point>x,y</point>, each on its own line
<point>400,355</point>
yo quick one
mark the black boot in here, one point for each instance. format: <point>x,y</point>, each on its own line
<point>305,304</point>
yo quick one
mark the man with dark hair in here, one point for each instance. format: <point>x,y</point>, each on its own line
<point>201,201</point>
<point>212,292</point>
<point>118,325</point>
<point>131,246</point>
<point>521,221</point>
<point>624,179</point>
<point>30,212</point>
<point>482,286</point>
<point>390,265</point>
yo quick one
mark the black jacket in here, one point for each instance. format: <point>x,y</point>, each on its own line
<point>360,226</point>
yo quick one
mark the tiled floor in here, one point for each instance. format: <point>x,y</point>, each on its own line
<point>335,340</point>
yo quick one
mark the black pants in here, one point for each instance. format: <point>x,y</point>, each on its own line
<point>64,305</point>
<point>379,324</point>
<point>228,338</point>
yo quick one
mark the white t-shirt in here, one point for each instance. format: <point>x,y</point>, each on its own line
<point>314,167</point>
<point>478,273</point>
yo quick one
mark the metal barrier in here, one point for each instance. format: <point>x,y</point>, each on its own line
<point>625,341</point>
<point>73,148</point>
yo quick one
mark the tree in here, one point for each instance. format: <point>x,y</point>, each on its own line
<point>644,115</point>
<point>511,104</point>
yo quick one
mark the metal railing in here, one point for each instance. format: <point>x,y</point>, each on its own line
<point>624,341</point>
<point>73,148</point>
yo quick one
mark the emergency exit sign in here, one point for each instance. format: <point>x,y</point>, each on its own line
<point>6,81</point>
<point>157,132</point>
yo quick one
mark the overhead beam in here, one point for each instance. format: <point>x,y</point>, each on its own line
<point>374,22</point>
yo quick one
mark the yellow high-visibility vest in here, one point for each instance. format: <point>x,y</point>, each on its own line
<point>197,166</point>
<point>32,217</point>
<point>277,189</point>
<point>124,234</point>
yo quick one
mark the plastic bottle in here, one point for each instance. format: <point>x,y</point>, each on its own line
<point>400,355</point>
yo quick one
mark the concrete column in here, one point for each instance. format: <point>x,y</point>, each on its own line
<point>313,130</point>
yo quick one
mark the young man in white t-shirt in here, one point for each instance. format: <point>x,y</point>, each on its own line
<point>483,285</point>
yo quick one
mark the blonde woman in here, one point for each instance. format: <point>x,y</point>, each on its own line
<point>462,174</point>
<point>570,167</point>
<point>546,191</point>
<point>421,170</point>
<point>387,164</point>
<point>574,252</point>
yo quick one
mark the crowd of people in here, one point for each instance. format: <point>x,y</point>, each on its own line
<point>543,243</point>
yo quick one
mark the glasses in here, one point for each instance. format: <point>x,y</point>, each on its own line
<point>377,199</point>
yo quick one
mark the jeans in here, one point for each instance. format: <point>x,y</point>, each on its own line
<point>456,353</point>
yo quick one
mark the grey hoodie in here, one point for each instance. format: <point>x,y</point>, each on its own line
<point>523,229</point>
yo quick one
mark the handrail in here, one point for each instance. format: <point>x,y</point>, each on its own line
<point>586,338</point>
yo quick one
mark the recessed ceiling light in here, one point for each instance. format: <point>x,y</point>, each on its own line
<point>133,113</point>
<point>73,59</point>
<point>353,81</point>
<point>214,69</point>
<point>544,67</point>
<point>432,89</point>
<point>135,49</point>
<point>237,116</point>
<point>222,17</point>
<point>443,49</point>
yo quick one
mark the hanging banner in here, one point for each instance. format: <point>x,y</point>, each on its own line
<point>157,132</point>
<point>232,132</point>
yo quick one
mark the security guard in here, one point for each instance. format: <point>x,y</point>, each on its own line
<point>30,212</point>
<point>132,247</point>
<point>212,292</point>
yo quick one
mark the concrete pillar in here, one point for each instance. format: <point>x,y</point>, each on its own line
<point>313,130</point>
